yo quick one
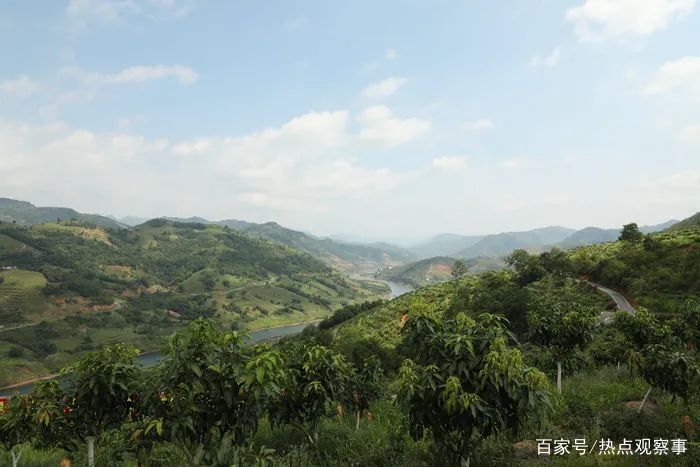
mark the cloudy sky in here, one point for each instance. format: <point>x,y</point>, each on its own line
<point>393,118</point>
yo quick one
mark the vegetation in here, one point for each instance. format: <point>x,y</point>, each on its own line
<point>75,287</point>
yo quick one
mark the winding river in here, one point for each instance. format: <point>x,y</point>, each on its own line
<point>151,358</point>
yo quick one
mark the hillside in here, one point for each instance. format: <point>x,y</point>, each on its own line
<point>434,270</point>
<point>690,222</point>
<point>444,245</point>
<point>86,286</point>
<point>352,258</point>
<point>25,213</point>
<point>503,244</point>
<point>589,236</point>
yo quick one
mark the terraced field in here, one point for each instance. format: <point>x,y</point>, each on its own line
<point>20,295</point>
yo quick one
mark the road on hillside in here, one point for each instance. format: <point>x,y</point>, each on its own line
<point>620,300</point>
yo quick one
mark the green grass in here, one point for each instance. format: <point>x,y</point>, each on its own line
<point>22,290</point>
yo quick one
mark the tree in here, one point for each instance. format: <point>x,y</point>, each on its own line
<point>527,267</point>
<point>459,269</point>
<point>665,360</point>
<point>211,391</point>
<point>464,381</point>
<point>366,385</point>
<point>561,328</point>
<point>105,390</point>
<point>630,233</point>
<point>557,262</point>
<point>315,377</point>
<point>16,426</point>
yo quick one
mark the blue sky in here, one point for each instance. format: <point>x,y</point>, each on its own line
<point>397,119</point>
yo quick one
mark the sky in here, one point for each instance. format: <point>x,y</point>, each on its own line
<point>381,119</point>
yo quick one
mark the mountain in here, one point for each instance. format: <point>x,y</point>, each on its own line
<point>444,245</point>
<point>420,273</point>
<point>24,213</point>
<point>437,269</point>
<point>498,245</point>
<point>658,227</point>
<point>347,257</point>
<point>66,288</point>
<point>594,235</point>
<point>690,222</point>
<point>131,221</point>
<point>589,236</point>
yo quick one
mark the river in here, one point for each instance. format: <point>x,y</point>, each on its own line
<point>151,358</point>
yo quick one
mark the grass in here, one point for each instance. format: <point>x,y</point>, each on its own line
<point>22,290</point>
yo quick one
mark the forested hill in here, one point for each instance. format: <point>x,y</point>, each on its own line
<point>139,284</point>
<point>24,213</point>
<point>346,257</point>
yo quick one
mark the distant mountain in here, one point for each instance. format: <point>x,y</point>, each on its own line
<point>589,236</point>
<point>131,221</point>
<point>347,257</point>
<point>24,213</point>
<point>658,227</point>
<point>690,222</point>
<point>498,245</point>
<point>593,235</point>
<point>444,245</point>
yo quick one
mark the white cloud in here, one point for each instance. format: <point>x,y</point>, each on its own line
<point>134,75</point>
<point>482,124</point>
<point>379,124</point>
<point>552,59</point>
<point>305,164</point>
<point>385,87</point>
<point>391,54</point>
<point>597,20</point>
<point>20,87</point>
<point>450,163</point>
<point>678,75</point>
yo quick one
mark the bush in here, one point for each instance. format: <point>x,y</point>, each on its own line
<point>15,352</point>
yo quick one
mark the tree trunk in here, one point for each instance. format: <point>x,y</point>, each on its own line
<point>357,421</point>
<point>465,462</point>
<point>91,451</point>
<point>559,377</point>
<point>15,458</point>
<point>618,365</point>
<point>644,401</point>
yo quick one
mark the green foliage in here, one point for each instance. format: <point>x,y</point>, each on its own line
<point>211,391</point>
<point>315,376</point>
<point>465,382</point>
<point>630,233</point>
<point>528,268</point>
<point>562,327</point>
<point>105,389</point>
<point>458,269</point>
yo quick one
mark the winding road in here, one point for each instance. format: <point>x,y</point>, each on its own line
<point>620,300</point>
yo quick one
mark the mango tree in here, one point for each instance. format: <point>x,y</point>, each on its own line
<point>465,381</point>
<point>315,377</point>
<point>666,360</point>
<point>16,426</point>
<point>105,389</point>
<point>211,392</point>
<point>562,328</point>
<point>365,384</point>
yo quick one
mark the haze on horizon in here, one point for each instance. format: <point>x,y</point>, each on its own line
<point>375,119</point>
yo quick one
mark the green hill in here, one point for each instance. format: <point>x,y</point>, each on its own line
<point>74,287</point>
<point>689,223</point>
<point>25,213</point>
<point>503,244</point>
<point>346,257</point>
<point>435,270</point>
